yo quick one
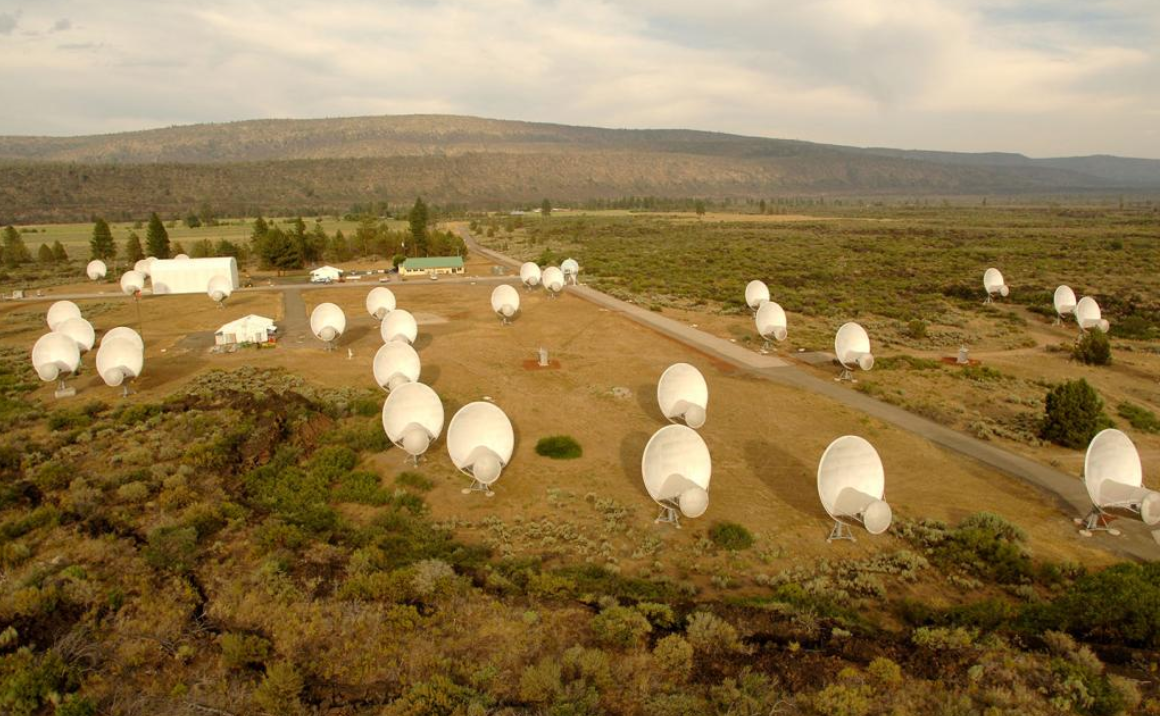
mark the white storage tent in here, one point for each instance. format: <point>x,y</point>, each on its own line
<point>191,275</point>
<point>247,329</point>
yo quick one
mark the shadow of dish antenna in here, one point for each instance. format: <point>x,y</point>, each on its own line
<point>219,289</point>
<point>96,270</point>
<point>1064,303</point>
<point>771,324</point>
<point>530,275</point>
<point>399,326</point>
<point>756,293</point>
<point>413,418</point>
<point>480,441</point>
<point>676,468</point>
<point>1114,480</point>
<point>852,348</point>
<point>380,302</point>
<point>1088,316</point>
<point>994,284</point>
<point>505,301</point>
<point>327,323</point>
<point>396,363</point>
<point>851,485</point>
<point>683,395</point>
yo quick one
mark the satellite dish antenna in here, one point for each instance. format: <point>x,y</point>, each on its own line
<point>851,484</point>
<point>327,323</point>
<point>399,325</point>
<point>145,266</point>
<point>380,302</point>
<point>530,275</point>
<point>118,359</point>
<point>771,324</point>
<point>682,393</point>
<point>54,357</point>
<point>852,347</point>
<point>553,280</point>
<point>181,257</point>
<point>124,332</point>
<point>676,467</point>
<point>80,331</point>
<point>571,271</point>
<point>480,441</point>
<point>1114,480</point>
<point>396,364</point>
<point>1087,315</point>
<point>993,282</point>
<point>96,270</point>
<point>1064,301</point>
<point>132,282</point>
<point>413,418</point>
<point>505,301</point>
<point>756,293</point>
<point>60,312</point>
<point>219,289</point>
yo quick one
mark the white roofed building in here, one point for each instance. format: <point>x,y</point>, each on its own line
<point>191,275</point>
<point>247,329</point>
<point>326,274</point>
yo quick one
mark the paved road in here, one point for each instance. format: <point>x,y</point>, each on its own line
<point>295,326</point>
<point>1066,490</point>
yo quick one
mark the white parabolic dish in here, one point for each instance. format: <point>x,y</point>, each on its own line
<point>756,293</point>
<point>54,354</point>
<point>852,483</point>
<point>1114,477</point>
<point>132,282</point>
<point>181,257</point>
<point>327,321</point>
<point>399,325</point>
<point>993,282</point>
<point>96,270</point>
<point>852,346</point>
<point>144,266</point>
<point>413,417</point>
<point>220,288</point>
<point>396,363</point>
<point>553,279</point>
<point>124,332</point>
<point>118,359</point>
<point>60,312</point>
<point>505,300</point>
<point>1088,315</point>
<point>676,467</point>
<point>80,331</point>
<point>1064,300</point>
<point>570,267</point>
<point>380,302</point>
<point>530,274</point>
<point>771,321</point>
<point>480,440</point>
<point>682,393</point>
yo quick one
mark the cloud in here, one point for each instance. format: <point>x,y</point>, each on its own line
<point>1038,76</point>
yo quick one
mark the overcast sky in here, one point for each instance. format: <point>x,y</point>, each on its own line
<point>1042,77</point>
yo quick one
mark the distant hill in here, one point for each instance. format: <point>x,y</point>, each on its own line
<point>326,164</point>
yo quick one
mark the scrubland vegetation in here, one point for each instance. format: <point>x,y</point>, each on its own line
<point>233,549</point>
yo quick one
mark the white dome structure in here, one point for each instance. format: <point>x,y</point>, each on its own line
<point>399,325</point>
<point>380,302</point>
<point>413,418</point>
<point>396,363</point>
<point>851,485</point>
<point>676,468</point>
<point>505,301</point>
<point>480,441</point>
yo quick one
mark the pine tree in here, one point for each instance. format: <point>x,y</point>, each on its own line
<point>339,250</point>
<point>418,219</point>
<point>545,207</point>
<point>44,254</point>
<point>15,252</point>
<point>102,246</point>
<point>133,251</point>
<point>157,238</point>
<point>58,252</point>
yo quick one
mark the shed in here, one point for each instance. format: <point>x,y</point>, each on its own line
<point>247,329</point>
<point>431,265</point>
<point>326,273</point>
<point>191,275</point>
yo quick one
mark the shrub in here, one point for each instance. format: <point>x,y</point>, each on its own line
<point>331,462</point>
<point>240,651</point>
<point>674,656</point>
<point>944,639</point>
<point>415,481</point>
<point>709,634</point>
<point>885,671</point>
<point>540,683</point>
<point>916,329</point>
<point>731,536</point>
<point>621,626</point>
<point>1073,414</point>
<point>361,487</point>
<point>1139,417</point>
<point>1093,348</point>
<point>844,700</point>
<point>279,691</point>
<point>431,576</point>
<point>559,447</point>
<point>133,492</point>
<point>172,548</point>
<point>1118,604</point>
